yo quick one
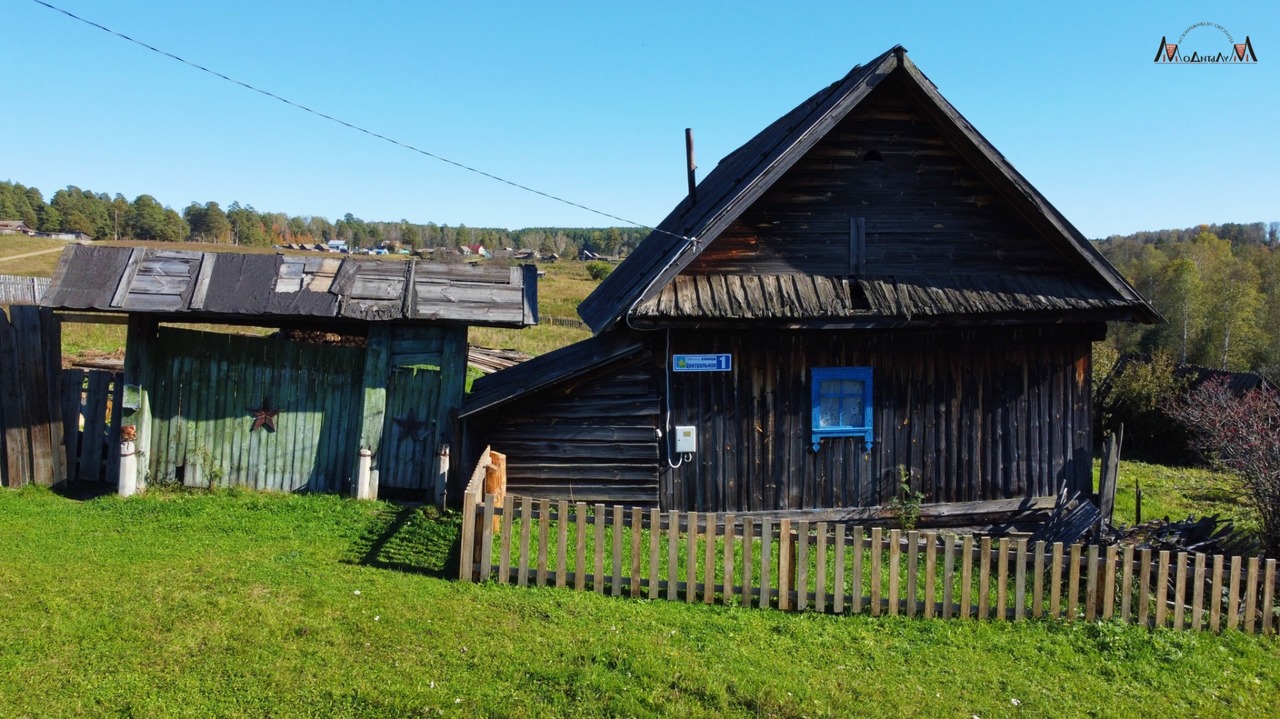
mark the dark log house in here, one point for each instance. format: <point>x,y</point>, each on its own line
<point>863,294</point>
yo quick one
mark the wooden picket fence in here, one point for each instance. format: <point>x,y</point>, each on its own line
<point>756,561</point>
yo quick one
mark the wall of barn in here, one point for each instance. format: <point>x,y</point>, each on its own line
<point>202,399</point>
<point>972,415</point>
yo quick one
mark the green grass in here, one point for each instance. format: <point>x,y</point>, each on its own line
<point>38,266</point>
<point>82,338</point>
<point>1176,492</point>
<point>241,604</point>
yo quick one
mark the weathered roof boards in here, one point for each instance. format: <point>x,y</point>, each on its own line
<point>199,285</point>
<point>879,181</point>
<point>871,228</point>
<point>219,409</point>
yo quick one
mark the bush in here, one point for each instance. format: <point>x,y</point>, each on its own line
<point>599,270</point>
<point>1242,436</point>
<point>1136,394</point>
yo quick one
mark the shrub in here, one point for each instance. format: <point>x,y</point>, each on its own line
<point>1242,436</point>
<point>1136,394</point>
<point>599,270</point>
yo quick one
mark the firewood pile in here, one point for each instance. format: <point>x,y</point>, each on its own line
<point>320,337</point>
<point>1074,518</point>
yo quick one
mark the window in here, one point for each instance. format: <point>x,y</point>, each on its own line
<point>841,403</point>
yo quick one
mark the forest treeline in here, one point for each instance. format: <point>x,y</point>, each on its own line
<point>1217,285</point>
<point>105,216</point>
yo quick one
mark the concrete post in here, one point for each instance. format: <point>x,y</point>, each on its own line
<point>362,476</point>
<point>128,485</point>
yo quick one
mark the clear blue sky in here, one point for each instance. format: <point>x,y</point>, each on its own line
<point>589,101</point>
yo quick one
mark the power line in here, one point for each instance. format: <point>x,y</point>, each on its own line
<point>344,123</point>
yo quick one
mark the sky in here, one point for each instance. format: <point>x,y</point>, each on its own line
<point>588,101</point>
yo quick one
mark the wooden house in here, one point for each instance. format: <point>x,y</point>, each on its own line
<point>369,355</point>
<point>863,294</point>
<point>16,227</point>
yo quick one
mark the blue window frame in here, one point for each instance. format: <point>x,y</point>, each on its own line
<point>841,403</point>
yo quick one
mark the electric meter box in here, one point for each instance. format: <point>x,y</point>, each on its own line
<point>686,440</point>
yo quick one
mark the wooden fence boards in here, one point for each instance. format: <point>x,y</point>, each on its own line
<point>19,290</point>
<point>760,560</point>
<point>208,389</point>
<point>31,406</point>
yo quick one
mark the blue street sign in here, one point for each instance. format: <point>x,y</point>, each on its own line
<point>702,363</point>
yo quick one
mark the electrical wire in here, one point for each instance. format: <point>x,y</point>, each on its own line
<point>349,125</point>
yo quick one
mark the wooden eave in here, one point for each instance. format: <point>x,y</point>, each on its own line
<point>296,290</point>
<point>543,371</point>
<point>747,173</point>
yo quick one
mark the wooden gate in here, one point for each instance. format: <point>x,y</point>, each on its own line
<point>92,408</point>
<point>423,368</point>
<point>263,413</point>
<point>409,433</point>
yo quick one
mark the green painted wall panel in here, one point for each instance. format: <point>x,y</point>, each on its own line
<point>210,384</point>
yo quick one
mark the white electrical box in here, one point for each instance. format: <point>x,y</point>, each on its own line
<point>686,440</point>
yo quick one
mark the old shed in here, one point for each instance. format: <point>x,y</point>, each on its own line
<point>864,293</point>
<point>368,354</point>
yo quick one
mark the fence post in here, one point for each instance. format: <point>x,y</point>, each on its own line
<point>128,485</point>
<point>786,567</point>
<point>466,558</point>
<point>495,476</point>
<point>442,475</point>
<point>364,472</point>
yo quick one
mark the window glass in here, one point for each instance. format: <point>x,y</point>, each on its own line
<point>841,403</point>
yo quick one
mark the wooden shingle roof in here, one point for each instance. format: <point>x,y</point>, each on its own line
<point>198,286</point>
<point>649,286</point>
<point>870,301</point>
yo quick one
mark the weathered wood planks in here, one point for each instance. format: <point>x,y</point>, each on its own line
<point>199,286</point>
<point>203,403</point>
<point>755,562</point>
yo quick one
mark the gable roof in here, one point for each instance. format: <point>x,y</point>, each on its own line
<point>646,281</point>
<point>200,286</point>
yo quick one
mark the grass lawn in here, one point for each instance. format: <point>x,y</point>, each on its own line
<point>244,604</point>
<point>39,265</point>
<point>1176,492</point>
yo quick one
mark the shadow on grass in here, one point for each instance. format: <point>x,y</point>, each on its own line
<point>84,491</point>
<point>419,540</point>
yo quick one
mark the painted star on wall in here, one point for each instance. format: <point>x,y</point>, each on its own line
<point>264,416</point>
<point>411,427</point>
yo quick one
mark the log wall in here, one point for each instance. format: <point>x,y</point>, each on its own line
<point>969,414</point>
<point>592,440</point>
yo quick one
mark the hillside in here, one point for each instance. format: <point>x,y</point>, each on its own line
<point>1217,285</point>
